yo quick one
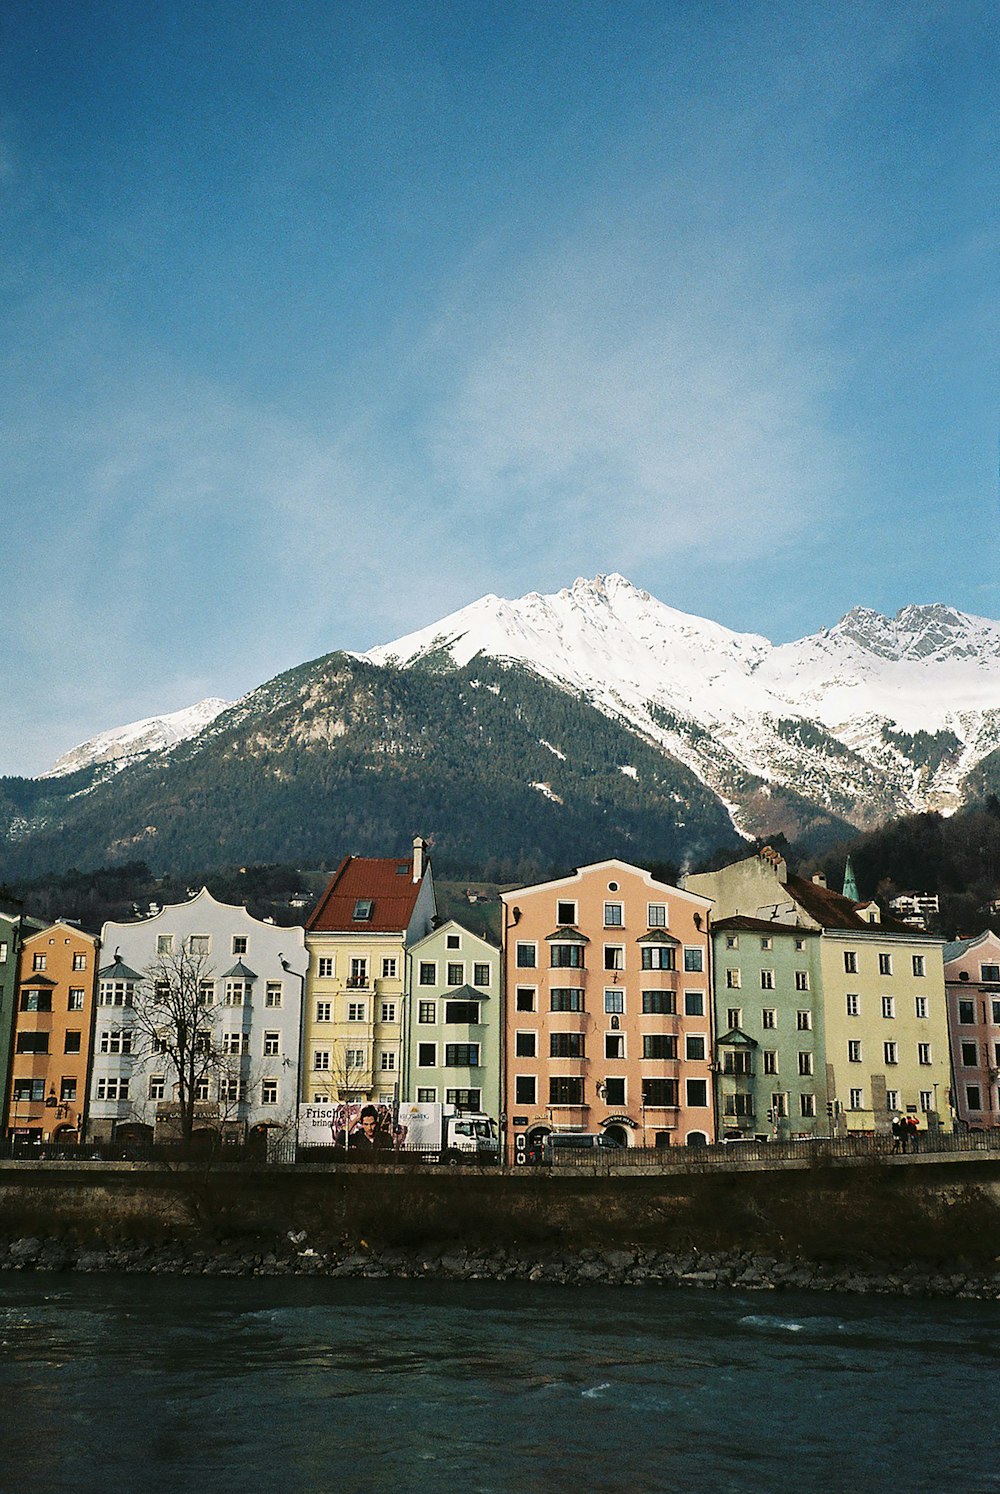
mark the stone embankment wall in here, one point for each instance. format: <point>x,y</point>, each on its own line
<point>873,1228</point>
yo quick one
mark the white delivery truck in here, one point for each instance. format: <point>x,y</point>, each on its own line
<point>442,1133</point>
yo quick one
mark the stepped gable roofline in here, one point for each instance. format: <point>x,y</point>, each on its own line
<point>831,910</point>
<point>386,880</point>
<point>738,922</point>
<point>234,910</point>
<point>612,865</point>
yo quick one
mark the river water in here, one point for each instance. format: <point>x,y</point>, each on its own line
<point>338,1387</point>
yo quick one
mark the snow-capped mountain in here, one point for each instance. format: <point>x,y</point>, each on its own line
<point>870,717</point>
<point>125,744</point>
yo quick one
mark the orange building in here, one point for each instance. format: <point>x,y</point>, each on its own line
<point>53,1025</point>
<point>608,1010</point>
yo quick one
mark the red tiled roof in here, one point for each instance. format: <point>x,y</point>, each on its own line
<point>388,881</point>
<point>738,921</point>
<point>833,911</point>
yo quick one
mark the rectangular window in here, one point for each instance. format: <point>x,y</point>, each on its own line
<point>923,1053</point>
<point>850,962</point>
<point>237,992</point>
<point>614,1092</point>
<point>565,1090</point>
<point>71,1042</point>
<point>325,967</point>
<point>658,957</point>
<point>660,1094</point>
<point>966,1012</point>
<point>779,1103</point>
<point>112,1089</point>
<point>3,951</point>
<point>565,999</point>
<point>892,1099</point>
<point>614,957</point>
<point>357,1011</point>
<point>857,1101</point>
<point>464,1099</point>
<point>239,944</point>
<point>804,1021</point>
<point>802,980</point>
<point>767,980</point>
<point>926,1100</point>
<point>231,1091</point>
<point>525,1089</point>
<point>206,993</point>
<point>737,1062</point>
<point>236,1042</point>
<point>738,1105</point>
<point>919,965</point>
<point>854,1050</point>
<point>199,944</point>
<point>890,1053</point>
<point>770,1061</point>
<point>885,964</point>
<point>614,915</point>
<point>67,1091</point>
<point>694,1047</point>
<point>453,941</point>
<point>269,1091</point>
<point>426,1055</point>
<point>26,1090</point>
<point>694,960</point>
<point>768,1018</point>
<point>732,941</point>
<point>656,915</point>
<point>461,1055</point>
<point>321,1060</point>
<point>697,1092</point>
<point>426,1012</point>
<point>973,1099</point>
<point>527,956</point>
<point>920,1006</point>
<point>766,942</point>
<point>694,1003</point>
<point>358,977</point>
<point>565,1044</point>
<point>157,1087</point>
<point>272,996</point>
<point>524,999</point>
<point>734,979</point>
<point>734,1016</point>
<point>888,1006</point>
<point>659,1045</point>
<point>463,1012</point>
<point>805,1063</point>
<point>853,1005</point>
<point>988,974</point>
<point>116,1040</point>
<point>456,973</point>
<point>389,967</point>
<point>481,975</point>
<point>525,1044</point>
<point>36,1001</point>
<point>659,1003</point>
<point>807,1105</point>
<point>565,913</point>
<point>970,1055</point>
<point>388,1013</point>
<point>38,962</point>
<point>324,1011</point>
<point>427,1096</point>
<point>614,1001</point>
<point>387,1062</point>
<point>32,1042</point>
<point>79,961</point>
<point>77,997</point>
<point>614,1045</point>
<point>800,944</point>
<point>164,944</point>
<point>272,1044</point>
<point>364,907</point>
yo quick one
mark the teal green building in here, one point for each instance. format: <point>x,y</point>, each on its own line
<point>771,1066</point>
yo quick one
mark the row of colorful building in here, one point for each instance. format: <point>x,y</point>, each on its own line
<point>746,1002</point>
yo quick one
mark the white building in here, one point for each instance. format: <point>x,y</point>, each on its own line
<point>250,975</point>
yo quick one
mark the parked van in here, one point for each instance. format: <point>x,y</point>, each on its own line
<point>575,1141</point>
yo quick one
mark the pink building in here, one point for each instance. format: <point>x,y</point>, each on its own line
<point>972,983</point>
<point>607,1010</point>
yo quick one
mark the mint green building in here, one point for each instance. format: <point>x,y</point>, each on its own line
<point>771,1075</point>
<point>453,1021</point>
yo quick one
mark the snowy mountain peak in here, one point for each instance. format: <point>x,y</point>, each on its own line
<point>123,744</point>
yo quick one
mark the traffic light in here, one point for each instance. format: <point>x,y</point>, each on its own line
<point>829,1107</point>
<point>770,1117</point>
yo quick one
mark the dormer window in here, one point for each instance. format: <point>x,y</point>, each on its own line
<point>363,909</point>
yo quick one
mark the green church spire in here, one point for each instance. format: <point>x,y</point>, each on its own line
<point>850,883</point>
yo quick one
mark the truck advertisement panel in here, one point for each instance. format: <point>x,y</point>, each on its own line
<point>354,1126</point>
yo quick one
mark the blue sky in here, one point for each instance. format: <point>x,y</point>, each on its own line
<point>321,320</point>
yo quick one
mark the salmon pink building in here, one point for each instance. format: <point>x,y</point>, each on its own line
<point>972,982</point>
<point>607,1024</point>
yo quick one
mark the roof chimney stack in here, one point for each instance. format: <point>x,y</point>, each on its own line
<point>419,853</point>
<point>819,879</point>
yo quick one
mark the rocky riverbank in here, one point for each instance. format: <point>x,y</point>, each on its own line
<point>639,1267</point>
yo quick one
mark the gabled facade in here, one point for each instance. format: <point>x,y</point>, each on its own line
<point>771,1076</point>
<point>608,1009</point>
<point>15,927</point>
<point>452,1021</point>
<point>53,1025</point>
<point>372,911</point>
<point>972,981</point>
<point>250,975</point>
<point>881,988</point>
